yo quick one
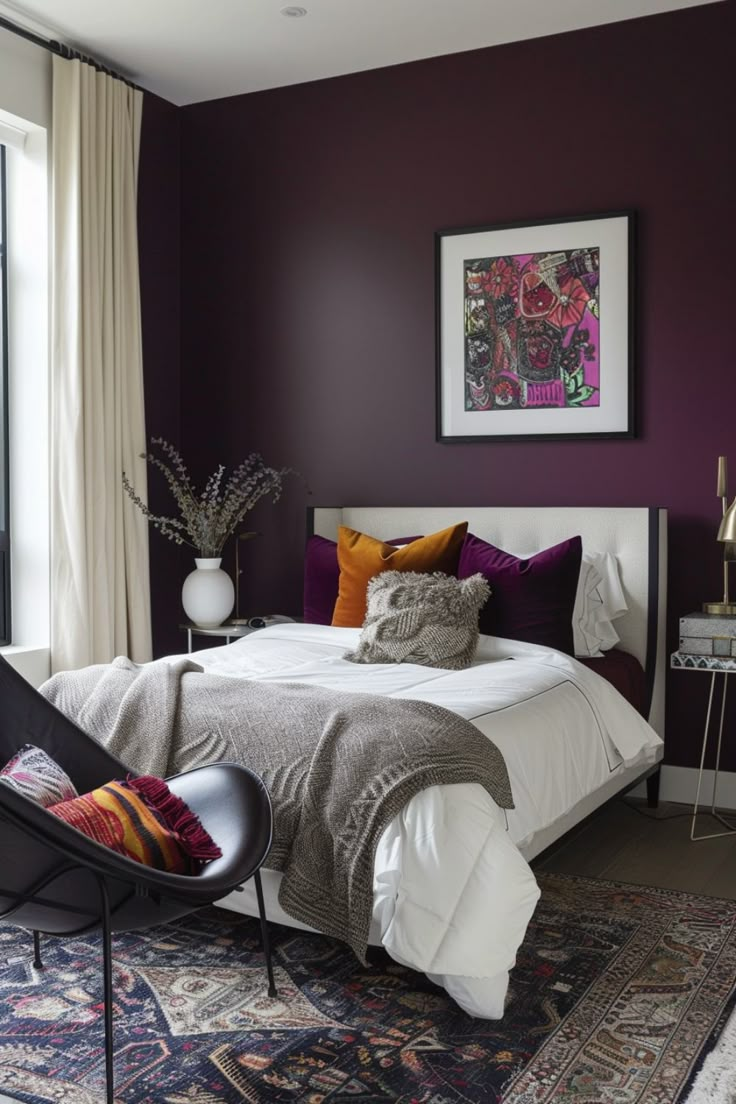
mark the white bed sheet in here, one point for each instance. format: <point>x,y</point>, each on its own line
<point>452,893</point>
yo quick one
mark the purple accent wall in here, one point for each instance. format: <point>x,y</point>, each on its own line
<point>307,309</point>
<point>159,230</point>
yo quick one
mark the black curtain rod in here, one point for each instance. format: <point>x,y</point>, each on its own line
<point>62,50</point>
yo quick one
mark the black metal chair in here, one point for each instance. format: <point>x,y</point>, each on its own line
<point>55,880</point>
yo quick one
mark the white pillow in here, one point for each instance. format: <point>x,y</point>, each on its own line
<point>598,602</point>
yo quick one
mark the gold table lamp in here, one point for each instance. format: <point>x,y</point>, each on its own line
<point>727,536</point>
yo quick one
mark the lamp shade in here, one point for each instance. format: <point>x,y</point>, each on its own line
<point>727,530</point>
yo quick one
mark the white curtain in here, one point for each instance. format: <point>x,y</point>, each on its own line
<point>100,597</point>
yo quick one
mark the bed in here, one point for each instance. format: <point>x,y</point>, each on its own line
<point>453,891</point>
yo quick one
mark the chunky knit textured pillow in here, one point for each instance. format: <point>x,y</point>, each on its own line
<point>142,819</point>
<point>427,619</point>
<point>34,774</point>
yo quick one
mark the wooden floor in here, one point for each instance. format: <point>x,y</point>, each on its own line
<point>627,842</point>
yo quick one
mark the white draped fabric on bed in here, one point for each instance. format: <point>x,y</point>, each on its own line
<point>453,893</point>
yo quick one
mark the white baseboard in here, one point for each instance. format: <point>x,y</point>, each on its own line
<point>680,784</point>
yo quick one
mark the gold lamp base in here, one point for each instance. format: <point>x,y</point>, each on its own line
<point>723,608</point>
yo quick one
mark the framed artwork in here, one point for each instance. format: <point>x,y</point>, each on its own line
<point>535,330</point>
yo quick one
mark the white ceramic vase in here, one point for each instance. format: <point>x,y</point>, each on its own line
<point>208,594</point>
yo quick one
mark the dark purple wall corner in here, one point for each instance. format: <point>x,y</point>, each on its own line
<point>159,227</point>
<point>307,283</point>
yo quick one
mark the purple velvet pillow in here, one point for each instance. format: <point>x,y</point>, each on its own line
<point>321,575</point>
<point>532,599</point>
<point>321,578</point>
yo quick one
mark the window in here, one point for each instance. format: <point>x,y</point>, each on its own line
<point>4,480</point>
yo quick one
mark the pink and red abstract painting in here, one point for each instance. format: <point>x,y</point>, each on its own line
<point>532,326</point>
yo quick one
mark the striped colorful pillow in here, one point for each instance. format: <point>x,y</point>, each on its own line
<point>34,774</point>
<point>142,819</point>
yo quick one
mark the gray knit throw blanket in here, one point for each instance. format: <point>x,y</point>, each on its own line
<point>339,766</point>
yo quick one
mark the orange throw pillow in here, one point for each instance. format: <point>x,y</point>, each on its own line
<point>360,557</point>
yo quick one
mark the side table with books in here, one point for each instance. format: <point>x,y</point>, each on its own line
<point>708,643</point>
<point>228,630</point>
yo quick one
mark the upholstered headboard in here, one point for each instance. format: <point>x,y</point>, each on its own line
<point>636,536</point>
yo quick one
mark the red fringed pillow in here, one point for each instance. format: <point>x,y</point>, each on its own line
<point>142,819</point>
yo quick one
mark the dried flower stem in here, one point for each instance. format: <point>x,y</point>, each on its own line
<point>209,517</point>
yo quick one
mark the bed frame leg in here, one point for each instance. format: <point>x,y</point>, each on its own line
<point>653,789</point>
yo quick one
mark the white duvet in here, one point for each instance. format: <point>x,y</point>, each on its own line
<point>452,892</point>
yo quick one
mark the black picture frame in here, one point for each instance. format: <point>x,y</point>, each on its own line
<point>511,323</point>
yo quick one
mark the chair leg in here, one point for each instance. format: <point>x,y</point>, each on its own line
<point>107,972</point>
<point>264,934</point>
<point>37,963</point>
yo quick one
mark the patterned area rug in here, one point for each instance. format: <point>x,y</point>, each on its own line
<point>618,992</point>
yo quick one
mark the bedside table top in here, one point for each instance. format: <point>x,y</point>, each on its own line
<point>684,661</point>
<point>226,629</point>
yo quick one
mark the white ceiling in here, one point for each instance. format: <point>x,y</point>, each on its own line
<point>192,50</point>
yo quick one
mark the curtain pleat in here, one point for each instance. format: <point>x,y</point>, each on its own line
<point>100,594</point>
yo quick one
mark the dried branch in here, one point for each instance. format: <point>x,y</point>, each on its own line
<point>209,517</point>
